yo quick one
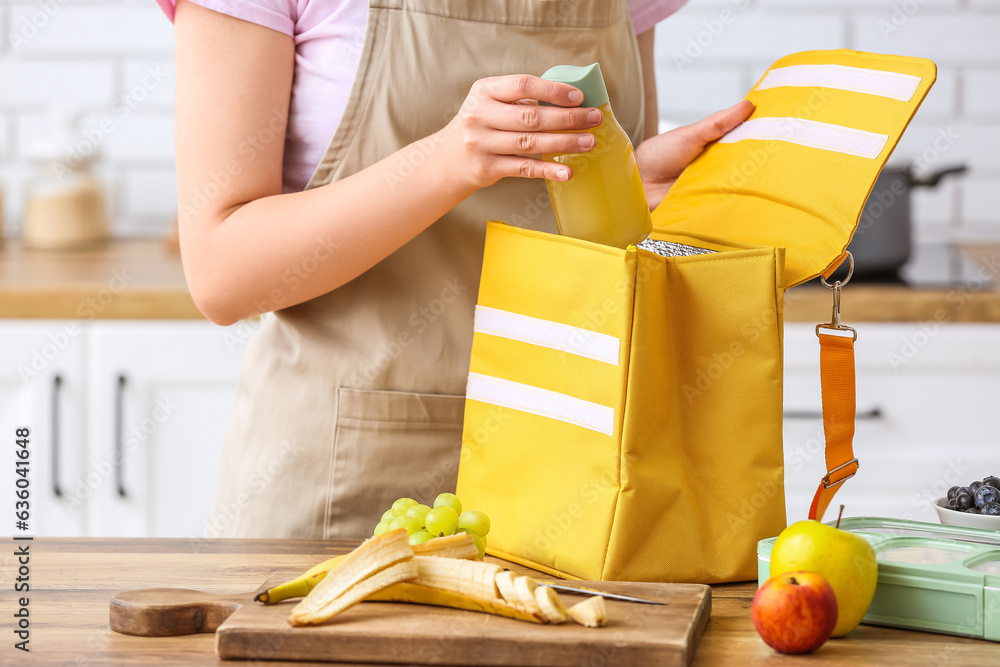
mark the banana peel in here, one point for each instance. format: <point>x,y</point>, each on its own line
<point>302,585</point>
<point>452,546</point>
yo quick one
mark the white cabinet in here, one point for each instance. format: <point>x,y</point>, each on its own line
<point>42,388</point>
<point>161,395</point>
<point>928,398</point>
<point>127,421</point>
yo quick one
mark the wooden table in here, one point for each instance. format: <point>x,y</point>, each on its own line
<point>73,579</point>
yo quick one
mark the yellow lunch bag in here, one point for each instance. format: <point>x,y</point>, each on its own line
<point>624,407</point>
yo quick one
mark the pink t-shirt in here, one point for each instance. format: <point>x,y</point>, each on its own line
<point>328,38</point>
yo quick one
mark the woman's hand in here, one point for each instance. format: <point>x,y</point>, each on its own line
<point>662,158</point>
<point>501,122</point>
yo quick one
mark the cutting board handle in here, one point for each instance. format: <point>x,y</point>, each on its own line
<point>166,612</point>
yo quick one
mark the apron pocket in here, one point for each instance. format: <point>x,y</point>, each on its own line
<point>389,445</point>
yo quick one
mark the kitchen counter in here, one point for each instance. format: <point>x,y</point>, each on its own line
<point>125,279</point>
<point>142,279</point>
<point>72,581</point>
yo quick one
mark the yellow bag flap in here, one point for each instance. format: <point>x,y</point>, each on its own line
<point>797,173</point>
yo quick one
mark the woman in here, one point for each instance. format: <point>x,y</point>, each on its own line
<point>365,249</point>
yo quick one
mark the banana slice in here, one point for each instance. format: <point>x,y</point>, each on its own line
<point>525,587</point>
<point>592,612</point>
<point>505,584</point>
<point>550,604</point>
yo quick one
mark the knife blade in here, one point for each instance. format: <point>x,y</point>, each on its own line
<point>590,591</point>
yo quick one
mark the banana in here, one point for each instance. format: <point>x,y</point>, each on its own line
<point>592,612</point>
<point>525,589</point>
<point>505,584</point>
<point>452,546</point>
<point>326,607</point>
<point>420,594</point>
<point>374,555</point>
<point>443,572</point>
<point>301,585</point>
<point>471,578</point>
<point>550,604</point>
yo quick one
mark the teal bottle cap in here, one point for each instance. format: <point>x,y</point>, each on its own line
<point>588,79</point>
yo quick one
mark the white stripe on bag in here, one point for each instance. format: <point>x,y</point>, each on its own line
<point>541,402</point>
<point>810,133</point>
<point>870,81</point>
<point>553,335</point>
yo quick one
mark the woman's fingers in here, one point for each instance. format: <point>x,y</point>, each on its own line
<point>516,87</point>
<point>526,167</point>
<point>714,127</point>
<point>524,143</point>
<point>539,118</point>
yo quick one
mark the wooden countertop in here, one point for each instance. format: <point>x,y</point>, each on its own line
<point>72,581</point>
<point>142,279</point>
<point>125,279</point>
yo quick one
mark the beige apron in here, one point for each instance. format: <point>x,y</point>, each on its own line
<point>355,398</point>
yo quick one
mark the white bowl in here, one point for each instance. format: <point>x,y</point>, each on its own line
<point>952,517</point>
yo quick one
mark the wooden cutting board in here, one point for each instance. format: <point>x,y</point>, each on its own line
<point>378,632</point>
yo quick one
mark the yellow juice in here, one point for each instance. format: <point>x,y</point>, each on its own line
<point>604,201</point>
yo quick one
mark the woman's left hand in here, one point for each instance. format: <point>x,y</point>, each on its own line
<point>662,158</point>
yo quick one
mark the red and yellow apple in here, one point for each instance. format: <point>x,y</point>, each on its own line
<point>795,612</point>
<point>847,561</point>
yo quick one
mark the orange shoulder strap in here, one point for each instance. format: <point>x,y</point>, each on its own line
<point>836,367</point>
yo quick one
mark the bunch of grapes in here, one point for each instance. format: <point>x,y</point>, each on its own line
<point>424,523</point>
<point>976,498</point>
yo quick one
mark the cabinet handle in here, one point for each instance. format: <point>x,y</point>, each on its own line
<point>119,436</point>
<point>874,413</point>
<point>56,387</point>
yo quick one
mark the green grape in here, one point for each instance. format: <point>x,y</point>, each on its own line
<point>409,523</point>
<point>475,521</point>
<point>418,512</point>
<point>388,516</point>
<point>441,521</point>
<point>382,527</point>
<point>480,541</point>
<point>400,506</point>
<point>449,500</point>
<point>420,537</point>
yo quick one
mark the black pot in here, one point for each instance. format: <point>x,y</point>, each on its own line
<point>881,244</point>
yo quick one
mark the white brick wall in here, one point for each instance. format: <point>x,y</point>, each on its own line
<point>112,60</point>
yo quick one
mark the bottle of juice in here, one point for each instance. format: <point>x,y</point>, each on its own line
<point>604,201</point>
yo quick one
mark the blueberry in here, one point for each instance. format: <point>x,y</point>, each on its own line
<point>993,481</point>
<point>964,489</point>
<point>986,494</point>
<point>971,510</point>
<point>952,492</point>
<point>953,504</point>
<point>965,501</point>
<point>975,487</point>
<point>992,509</point>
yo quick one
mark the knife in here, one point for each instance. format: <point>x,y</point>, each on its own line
<point>590,591</point>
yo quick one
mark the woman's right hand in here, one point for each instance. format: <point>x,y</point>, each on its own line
<point>501,123</point>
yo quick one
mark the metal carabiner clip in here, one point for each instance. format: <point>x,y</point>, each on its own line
<point>834,322</point>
